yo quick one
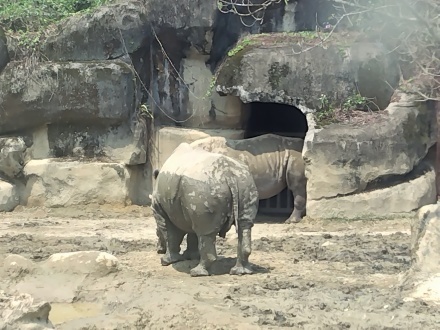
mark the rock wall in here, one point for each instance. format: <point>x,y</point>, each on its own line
<point>78,123</point>
<point>122,86</point>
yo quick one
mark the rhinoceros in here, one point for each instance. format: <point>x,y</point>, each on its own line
<point>274,162</point>
<point>203,194</point>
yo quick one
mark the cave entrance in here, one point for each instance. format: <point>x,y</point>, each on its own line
<point>281,119</point>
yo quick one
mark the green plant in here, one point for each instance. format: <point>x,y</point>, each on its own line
<point>308,34</point>
<point>240,46</point>
<point>356,101</point>
<point>326,111</point>
<point>211,87</point>
<point>34,15</point>
<point>27,20</point>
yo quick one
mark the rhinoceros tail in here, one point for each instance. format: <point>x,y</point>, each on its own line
<point>235,199</point>
<point>155,174</point>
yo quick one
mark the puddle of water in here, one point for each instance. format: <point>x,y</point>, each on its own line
<point>64,312</point>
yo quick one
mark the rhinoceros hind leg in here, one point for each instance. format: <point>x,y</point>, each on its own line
<point>242,267</point>
<point>161,246</point>
<point>298,211</point>
<point>208,255</point>
<point>297,184</point>
<point>173,241</point>
<point>192,247</point>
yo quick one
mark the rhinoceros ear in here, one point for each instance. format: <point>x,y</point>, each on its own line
<point>155,174</point>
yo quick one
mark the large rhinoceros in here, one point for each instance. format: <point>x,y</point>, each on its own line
<point>203,194</point>
<point>274,162</point>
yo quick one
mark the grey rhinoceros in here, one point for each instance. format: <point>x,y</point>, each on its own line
<point>203,194</point>
<point>274,162</point>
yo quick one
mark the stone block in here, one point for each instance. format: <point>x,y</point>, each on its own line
<point>342,159</point>
<point>57,183</point>
<point>390,201</point>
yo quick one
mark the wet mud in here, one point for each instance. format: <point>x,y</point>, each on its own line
<point>311,275</point>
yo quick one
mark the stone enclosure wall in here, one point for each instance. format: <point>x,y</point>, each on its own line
<point>121,87</point>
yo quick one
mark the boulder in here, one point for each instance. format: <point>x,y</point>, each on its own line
<point>4,54</point>
<point>16,265</point>
<point>97,35</point>
<point>422,280</point>
<point>342,159</point>
<point>84,93</point>
<point>390,201</point>
<point>112,31</point>
<point>9,197</point>
<point>21,312</point>
<point>169,138</point>
<point>82,262</point>
<point>58,183</point>
<point>276,68</point>
<point>12,156</point>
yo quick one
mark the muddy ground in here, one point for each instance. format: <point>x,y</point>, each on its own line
<point>311,275</point>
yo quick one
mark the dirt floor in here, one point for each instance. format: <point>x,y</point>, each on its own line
<point>311,275</point>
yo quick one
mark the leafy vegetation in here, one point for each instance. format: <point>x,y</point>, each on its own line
<point>27,20</point>
<point>240,46</point>
<point>326,111</point>
<point>355,102</point>
<point>23,16</point>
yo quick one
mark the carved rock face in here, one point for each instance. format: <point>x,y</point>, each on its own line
<point>280,70</point>
<point>4,55</point>
<point>65,92</point>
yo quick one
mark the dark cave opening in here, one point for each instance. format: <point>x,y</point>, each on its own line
<point>281,119</point>
<point>276,118</point>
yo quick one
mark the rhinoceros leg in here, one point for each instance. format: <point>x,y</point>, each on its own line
<point>161,246</point>
<point>297,184</point>
<point>244,250</point>
<point>192,247</point>
<point>208,255</point>
<point>173,241</point>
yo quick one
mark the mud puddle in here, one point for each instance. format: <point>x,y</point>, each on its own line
<point>65,312</point>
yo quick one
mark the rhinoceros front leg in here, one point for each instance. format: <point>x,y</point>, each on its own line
<point>244,250</point>
<point>208,255</point>
<point>173,241</point>
<point>192,247</point>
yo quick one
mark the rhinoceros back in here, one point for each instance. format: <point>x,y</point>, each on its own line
<point>196,183</point>
<point>266,156</point>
